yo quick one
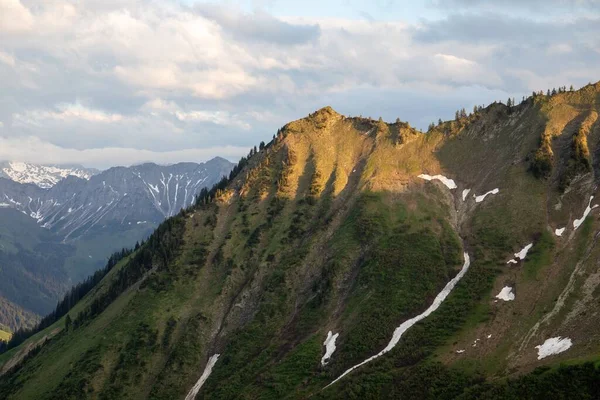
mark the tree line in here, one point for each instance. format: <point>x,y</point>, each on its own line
<point>71,298</point>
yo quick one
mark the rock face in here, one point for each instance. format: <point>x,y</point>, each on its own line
<point>85,217</point>
<point>328,232</point>
<point>143,194</point>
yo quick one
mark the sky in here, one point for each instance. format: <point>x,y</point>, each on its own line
<point>118,82</point>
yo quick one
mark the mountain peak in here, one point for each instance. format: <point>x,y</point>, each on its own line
<point>44,176</point>
<point>326,111</point>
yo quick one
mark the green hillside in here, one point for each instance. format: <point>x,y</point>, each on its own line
<point>329,228</point>
<point>31,263</point>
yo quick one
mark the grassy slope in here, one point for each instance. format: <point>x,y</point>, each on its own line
<point>5,335</point>
<point>324,229</point>
<point>31,260</point>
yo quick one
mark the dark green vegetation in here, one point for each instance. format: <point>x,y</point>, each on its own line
<point>327,228</point>
<point>71,298</point>
<point>28,250</point>
<point>53,238</point>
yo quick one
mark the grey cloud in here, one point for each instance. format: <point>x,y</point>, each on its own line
<point>258,26</point>
<point>495,28</point>
<point>541,7</point>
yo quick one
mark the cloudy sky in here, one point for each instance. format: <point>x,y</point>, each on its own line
<point>118,82</point>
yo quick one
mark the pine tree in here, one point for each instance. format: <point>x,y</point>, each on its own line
<point>68,322</point>
<point>571,88</point>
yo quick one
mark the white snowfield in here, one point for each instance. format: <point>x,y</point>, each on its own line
<point>559,231</point>
<point>577,223</point>
<point>329,344</point>
<point>523,253</point>
<point>465,193</point>
<point>553,346</point>
<point>448,182</point>
<point>207,370</point>
<point>479,199</point>
<point>41,175</point>
<point>506,294</point>
<point>409,323</point>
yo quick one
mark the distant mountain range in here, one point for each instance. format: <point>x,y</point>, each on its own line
<point>41,175</point>
<point>61,223</point>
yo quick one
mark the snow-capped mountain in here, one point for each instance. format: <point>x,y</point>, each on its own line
<point>42,175</point>
<point>118,197</point>
<point>53,237</point>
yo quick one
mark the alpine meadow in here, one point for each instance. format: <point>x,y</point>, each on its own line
<point>456,263</point>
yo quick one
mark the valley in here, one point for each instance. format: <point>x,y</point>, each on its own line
<point>57,226</point>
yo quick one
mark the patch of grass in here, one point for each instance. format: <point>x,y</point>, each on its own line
<point>4,335</point>
<point>540,255</point>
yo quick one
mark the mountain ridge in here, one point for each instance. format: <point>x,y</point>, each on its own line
<point>83,221</point>
<point>42,175</point>
<point>343,226</point>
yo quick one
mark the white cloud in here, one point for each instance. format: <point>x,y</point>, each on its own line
<point>35,150</point>
<point>14,17</point>
<point>7,59</point>
<point>560,48</point>
<point>156,76</point>
<point>66,113</point>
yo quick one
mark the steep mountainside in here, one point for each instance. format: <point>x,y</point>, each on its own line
<point>52,238</point>
<point>351,258</point>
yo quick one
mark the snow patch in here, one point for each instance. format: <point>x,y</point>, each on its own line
<point>523,253</point>
<point>409,323</point>
<point>460,351</point>
<point>559,231</point>
<point>465,193</point>
<point>448,182</point>
<point>577,223</point>
<point>512,261</point>
<point>553,346</point>
<point>329,344</point>
<point>479,199</point>
<point>207,370</point>
<point>506,294</point>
